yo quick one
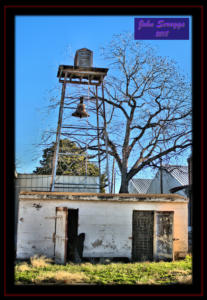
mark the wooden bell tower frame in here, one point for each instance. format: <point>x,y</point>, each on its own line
<point>87,76</point>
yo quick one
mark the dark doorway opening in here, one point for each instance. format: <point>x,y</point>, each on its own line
<point>72,233</point>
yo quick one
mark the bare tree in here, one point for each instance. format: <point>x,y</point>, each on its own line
<point>149,109</point>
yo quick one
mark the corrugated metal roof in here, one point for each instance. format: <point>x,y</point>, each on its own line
<point>141,185</point>
<point>63,183</point>
<point>180,173</point>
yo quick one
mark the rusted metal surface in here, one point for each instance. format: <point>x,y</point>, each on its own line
<point>152,236</point>
<point>83,58</point>
<point>142,243</point>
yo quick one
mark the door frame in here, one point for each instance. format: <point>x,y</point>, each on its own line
<point>154,240</point>
<point>133,212</point>
<point>155,256</point>
<point>64,235</point>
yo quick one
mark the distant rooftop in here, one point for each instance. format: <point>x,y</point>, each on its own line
<point>180,173</point>
<point>141,185</point>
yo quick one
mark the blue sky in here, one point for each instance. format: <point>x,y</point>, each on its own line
<point>42,43</point>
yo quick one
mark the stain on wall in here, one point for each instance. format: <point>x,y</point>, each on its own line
<point>37,206</point>
<point>97,243</point>
<point>164,235</point>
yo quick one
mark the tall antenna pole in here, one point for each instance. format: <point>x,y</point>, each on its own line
<point>106,142</point>
<point>112,176</point>
<point>161,177</point>
<point>98,133</point>
<point>57,143</point>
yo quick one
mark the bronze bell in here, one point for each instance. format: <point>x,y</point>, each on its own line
<point>80,110</point>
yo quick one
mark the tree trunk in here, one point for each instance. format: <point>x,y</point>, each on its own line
<point>124,185</point>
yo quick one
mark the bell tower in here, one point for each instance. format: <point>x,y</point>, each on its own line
<point>82,73</point>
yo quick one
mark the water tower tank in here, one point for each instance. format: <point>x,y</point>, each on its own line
<point>83,58</point>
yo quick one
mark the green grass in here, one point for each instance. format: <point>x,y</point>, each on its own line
<point>43,271</point>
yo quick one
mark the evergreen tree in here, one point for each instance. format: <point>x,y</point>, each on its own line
<point>73,164</point>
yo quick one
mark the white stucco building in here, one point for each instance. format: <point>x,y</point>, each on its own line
<point>137,227</point>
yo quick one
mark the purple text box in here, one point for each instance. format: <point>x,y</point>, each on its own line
<point>161,29</point>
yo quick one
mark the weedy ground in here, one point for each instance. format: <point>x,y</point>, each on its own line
<point>43,271</point>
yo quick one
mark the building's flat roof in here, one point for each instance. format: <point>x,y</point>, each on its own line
<point>27,195</point>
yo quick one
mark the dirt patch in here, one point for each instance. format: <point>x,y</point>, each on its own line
<point>61,277</point>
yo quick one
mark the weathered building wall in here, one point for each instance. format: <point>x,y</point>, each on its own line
<point>106,221</point>
<point>35,182</point>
